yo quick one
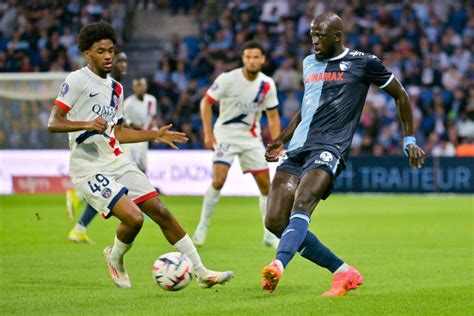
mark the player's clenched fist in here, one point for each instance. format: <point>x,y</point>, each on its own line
<point>99,125</point>
<point>166,136</point>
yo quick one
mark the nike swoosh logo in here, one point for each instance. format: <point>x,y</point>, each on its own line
<point>93,94</point>
<point>288,231</point>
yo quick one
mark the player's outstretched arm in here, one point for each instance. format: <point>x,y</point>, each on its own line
<point>58,123</point>
<point>163,135</point>
<point>276,146</point>
<point>415,154</point>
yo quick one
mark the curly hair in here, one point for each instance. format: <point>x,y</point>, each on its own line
<point>95,32</point>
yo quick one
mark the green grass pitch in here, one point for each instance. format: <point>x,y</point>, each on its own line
<point>415,252</point>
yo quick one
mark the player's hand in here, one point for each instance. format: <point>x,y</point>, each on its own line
<point>209,141</point>
<point>164,135</point>
<point>416,156</point>
<point>273,151</point>
<point>98,125</point>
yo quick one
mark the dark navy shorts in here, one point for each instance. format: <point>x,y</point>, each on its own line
<point>302,162</point>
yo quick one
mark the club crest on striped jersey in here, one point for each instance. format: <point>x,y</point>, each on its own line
<point>345,65</point>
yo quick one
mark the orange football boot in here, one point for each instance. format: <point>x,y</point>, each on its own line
<point>271,275</point>
<point>344,282</point>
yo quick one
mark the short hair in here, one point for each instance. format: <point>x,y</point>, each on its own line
<point>254,45</point>
<point>95,32</point>
<point>140,80</point>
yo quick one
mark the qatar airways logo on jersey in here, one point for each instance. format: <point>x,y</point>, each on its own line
<point>248,108</point>
<point>324,76</point>
<point>105,111</point>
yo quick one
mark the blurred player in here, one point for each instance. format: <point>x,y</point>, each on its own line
<point>89,108</point>
<point>78,233</point>
<point>139,112</point>
<point>336,82</point>
<point>243,94</point>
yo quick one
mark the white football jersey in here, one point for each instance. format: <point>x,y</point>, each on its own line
<point>139,112</point>
<point>86,96</point>
<point>241,103</point>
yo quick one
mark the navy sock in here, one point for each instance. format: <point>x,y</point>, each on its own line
<point>87,216</point>
<point>292,237</point>
<point>313,250</point>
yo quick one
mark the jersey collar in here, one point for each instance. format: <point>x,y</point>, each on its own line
<point>344,53</point>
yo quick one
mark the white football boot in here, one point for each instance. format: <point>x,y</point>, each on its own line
<point>210,278</point>
<point>117,270</point>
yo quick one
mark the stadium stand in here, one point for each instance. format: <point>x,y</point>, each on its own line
<point>427,45</point>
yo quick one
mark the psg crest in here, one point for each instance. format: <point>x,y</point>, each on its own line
<point>345,65</point>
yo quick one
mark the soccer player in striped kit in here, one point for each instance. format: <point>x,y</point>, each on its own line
<point>243,94</point>
<point>78,233</point>
<point>89,108</point>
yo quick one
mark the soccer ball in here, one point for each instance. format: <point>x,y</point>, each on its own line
<point>173,271</point>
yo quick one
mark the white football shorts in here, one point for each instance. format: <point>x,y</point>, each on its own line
<point>102,190</point>
<point>251,155</point>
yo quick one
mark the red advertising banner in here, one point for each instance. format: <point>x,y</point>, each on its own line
<point>41,184</point>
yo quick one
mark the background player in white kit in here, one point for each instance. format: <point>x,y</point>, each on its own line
<point>139,113</point>
<point>243,94</point>
<point>89,107</point>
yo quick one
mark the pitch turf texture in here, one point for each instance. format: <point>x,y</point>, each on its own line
<point>415,252</point>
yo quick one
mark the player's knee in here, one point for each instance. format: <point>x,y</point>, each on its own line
<point>218,183</point>
<point>275,225</point>
<point>265,189</point>
<point>305,202</point>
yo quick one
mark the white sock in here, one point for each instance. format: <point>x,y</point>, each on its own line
<point>280,265</point>
<point>263,200</point>
<point>209,204</point>
<point>185,245</point>
<point>119,250</point>
<point>343,268</point>
<point>80,228</point>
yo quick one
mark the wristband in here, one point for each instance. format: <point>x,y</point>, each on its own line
<point>407,140</point>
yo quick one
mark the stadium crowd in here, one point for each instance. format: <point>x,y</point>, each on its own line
<point>427,45</point>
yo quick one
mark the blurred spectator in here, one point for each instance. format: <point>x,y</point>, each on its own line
<point>180,77</point>
<point>286,77</point>
<point>174,47</point>
<point>427,45</point>
<point>444,148</point>
<point>291,106</point>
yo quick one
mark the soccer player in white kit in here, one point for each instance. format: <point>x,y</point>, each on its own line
<point>78,233</point>
<point>243,94</point>
<point>89,108</point>
<point>139,112</point>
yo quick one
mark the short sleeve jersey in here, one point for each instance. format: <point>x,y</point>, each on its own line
<point>241,103</point>
<point>86,96</point>
<point>140,112</point>
<point>334,95</point>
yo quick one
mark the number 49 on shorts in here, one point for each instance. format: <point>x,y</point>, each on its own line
<point>101,182</point>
